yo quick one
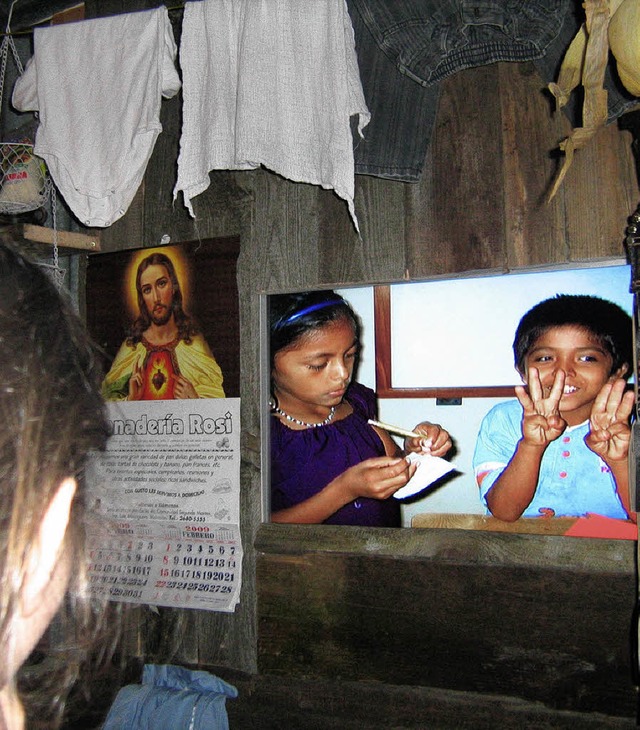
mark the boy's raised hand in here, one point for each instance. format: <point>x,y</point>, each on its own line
<point>541,420</point>
<point>610,432</point>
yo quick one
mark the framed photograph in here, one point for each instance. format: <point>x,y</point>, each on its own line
<point>441,351</point>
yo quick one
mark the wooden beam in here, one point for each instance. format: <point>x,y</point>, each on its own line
<point>69,15</point>
<point>67,239</point>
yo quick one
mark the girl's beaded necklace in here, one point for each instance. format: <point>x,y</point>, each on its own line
<point>327,420</point>
<point>280,412</point>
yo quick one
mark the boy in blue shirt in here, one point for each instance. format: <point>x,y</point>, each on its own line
<point>561,448</point>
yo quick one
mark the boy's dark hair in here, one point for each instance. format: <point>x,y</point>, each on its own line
<point>606,321</point>
<point>293,315</point>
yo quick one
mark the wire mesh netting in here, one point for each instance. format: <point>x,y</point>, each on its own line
<point>24,183</point>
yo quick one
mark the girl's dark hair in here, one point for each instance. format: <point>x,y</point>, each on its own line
<point>52,417</point>
<point>610,325</point>
<point>293,315</point>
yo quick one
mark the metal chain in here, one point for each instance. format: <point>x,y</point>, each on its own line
<point>58,273</point>
<point>7,43</point>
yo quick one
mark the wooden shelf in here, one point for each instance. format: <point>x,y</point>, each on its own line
<point>67,239</point>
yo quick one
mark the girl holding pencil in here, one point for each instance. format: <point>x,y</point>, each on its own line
<point>328,463</point>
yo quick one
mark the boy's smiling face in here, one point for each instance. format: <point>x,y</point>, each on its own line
<point>584,361</point>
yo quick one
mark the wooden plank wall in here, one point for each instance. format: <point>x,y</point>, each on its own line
<point>479,206</point>
<point>521,616</point>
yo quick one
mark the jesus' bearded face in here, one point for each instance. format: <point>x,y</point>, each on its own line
<point>157,293</point>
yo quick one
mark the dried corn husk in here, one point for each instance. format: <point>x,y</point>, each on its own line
<point>571,70</point>
<point>585,62</point>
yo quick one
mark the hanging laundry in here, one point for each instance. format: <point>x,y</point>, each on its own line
<point>403,111</point>
<point>407,47</point>
<point>272,83</point>
<point>97,85</point>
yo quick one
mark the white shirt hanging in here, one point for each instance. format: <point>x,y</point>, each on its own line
<point>273,83</point>
<point>97,85</point>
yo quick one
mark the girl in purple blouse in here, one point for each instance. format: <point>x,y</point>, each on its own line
<point>328,464</point>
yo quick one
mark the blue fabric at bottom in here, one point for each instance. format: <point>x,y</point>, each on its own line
<point>171,698</point>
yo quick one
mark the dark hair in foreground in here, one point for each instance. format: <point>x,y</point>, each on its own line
<point>52,416</point>
<point>291,316</point>
<point>607,322</point>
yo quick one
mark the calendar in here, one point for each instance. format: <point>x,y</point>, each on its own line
<point>164,519</point>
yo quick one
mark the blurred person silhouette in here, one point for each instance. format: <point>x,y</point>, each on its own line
<point>52,415</point>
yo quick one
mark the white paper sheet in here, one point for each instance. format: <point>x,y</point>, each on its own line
<point>430,469</point>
